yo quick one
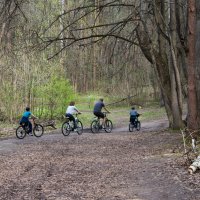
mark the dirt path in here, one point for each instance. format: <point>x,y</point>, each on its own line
<point>120,165</point>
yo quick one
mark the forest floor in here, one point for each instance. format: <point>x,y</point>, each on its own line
<point>143,165</point>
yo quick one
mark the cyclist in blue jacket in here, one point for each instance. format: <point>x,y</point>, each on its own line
<point>25,119</point>
<point>133,115</point>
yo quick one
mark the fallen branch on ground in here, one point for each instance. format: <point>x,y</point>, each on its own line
<point>50,123</point>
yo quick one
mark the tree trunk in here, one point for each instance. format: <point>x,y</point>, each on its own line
<point>167,72</point>
<point>198,60</point>
<point>176,92</point>
<point>192,98</point>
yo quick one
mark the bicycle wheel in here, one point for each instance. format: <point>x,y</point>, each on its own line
<point>66,129</point>
<point>79,127</point>
<point>131,127</point>
<point>108,126</point>
<point>20,132</point>
<point>38,130</point>
<point>138,125</point>
<point>94,126</point>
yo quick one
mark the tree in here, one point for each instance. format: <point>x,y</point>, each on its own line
<point>192,93</point>
<point>197,60</point>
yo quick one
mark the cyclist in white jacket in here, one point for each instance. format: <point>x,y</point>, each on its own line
<point>71,110</point>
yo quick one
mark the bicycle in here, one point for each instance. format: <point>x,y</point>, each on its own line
<point>68,126</point>
<point>23,130</point>
<point>96,125</point>
<point>136,125</point>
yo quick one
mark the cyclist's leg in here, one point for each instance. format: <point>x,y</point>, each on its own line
<point>100,116</point>
<point>30,126</point>
<point>104,122</point>
<point>23,120</point>
<point>71,118</point>
<point>132,119</point>
<point>74,121</point>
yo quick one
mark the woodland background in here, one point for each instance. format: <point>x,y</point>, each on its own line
<point>56,51</point>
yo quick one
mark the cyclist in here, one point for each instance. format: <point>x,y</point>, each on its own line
<point>133,115</point>
<point>25,119</point>
<point>97,110</point>
<point>71,110</point>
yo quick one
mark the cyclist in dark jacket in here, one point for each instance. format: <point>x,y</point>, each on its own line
<point>133,115</point>
<point>97,110</point>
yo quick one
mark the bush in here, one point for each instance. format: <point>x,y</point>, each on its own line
<point>56,95</point>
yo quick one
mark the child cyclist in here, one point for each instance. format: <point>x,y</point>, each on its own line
<point>71,110</point>
<point>25,119</point>
<point>133,115</point>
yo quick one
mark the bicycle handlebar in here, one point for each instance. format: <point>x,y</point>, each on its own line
<point>105,112</point>
<point>76,114</point>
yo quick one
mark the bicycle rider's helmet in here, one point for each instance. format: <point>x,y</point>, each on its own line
<point>133,108</point>
<point>27,108</point>
<point>101,99</point>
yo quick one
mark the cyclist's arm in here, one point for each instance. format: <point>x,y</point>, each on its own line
<point>33,116</point>
<point>77,110</point>
<point>106,110</point>
<point>138,114</point>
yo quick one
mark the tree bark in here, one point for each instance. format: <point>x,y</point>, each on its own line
<point>192,97</point>
<point>197,49</point>
<point>176,92</point>
<point>156,51</point>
